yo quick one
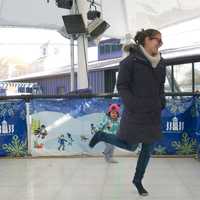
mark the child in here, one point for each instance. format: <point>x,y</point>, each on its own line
<point>110,124</point>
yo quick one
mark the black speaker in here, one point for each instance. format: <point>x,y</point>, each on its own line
<point>67,4</point>
<point>74,24</point>
<point>97,27</point>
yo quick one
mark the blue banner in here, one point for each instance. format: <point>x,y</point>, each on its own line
<point>64,127</point>
<point>13,128</point>
<point>178,128</point>
<point>196,115</point>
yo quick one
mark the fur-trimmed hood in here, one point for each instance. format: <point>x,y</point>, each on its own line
<point>130,48</point>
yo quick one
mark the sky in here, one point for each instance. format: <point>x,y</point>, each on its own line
<point>27,44</point>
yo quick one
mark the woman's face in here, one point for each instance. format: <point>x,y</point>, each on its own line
<point>152,44</point>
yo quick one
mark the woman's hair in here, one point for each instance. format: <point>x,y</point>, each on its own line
<point>141,35</point>
<point>139,39</point>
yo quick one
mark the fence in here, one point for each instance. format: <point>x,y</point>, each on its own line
<point>63,125</point>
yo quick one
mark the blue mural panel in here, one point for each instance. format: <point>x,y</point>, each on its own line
<point>69,122</point>
<point>178,128</point>
<point>68,125</point>
<point>13,128</point>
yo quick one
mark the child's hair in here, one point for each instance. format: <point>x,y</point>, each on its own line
<point>113,107</point>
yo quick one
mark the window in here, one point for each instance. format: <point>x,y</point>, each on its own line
<point>101,49</point>
<point>168,80</point>
<point>197,76</point>
<point>110,80</point>
<point>107,49</point>
<point>60,90</point>
<point>183,77</point>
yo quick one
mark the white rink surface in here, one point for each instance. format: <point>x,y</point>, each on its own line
<point>93,179</point>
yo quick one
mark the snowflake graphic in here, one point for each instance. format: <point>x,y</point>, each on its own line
<point>11,109</point>
<point>176,106</point>
<point>16,148</point>
<point>186,146</point>
<point>160,150</point>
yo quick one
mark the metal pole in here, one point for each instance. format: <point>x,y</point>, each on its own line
<point>72,74</point>
<point>82,42</point>
<point>28,121</point>
<point>193,78</point>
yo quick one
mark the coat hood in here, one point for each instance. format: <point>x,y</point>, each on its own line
<point>130,48</point>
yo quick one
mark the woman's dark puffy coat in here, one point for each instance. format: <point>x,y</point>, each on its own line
<point>141,88</point>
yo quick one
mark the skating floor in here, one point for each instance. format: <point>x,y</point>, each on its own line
<point>93,179</point>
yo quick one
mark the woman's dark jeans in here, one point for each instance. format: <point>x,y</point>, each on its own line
<point>144,156</point>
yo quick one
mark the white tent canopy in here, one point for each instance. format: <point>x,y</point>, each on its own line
<point>124,16</point>
<point>128,16</point>
<point>31,13</point>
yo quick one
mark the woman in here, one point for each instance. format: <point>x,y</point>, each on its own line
<point>141,86</point>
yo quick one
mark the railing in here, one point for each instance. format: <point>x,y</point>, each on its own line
<point>88,95</point>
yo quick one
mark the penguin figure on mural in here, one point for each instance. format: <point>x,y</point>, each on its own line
<point>70,138</point>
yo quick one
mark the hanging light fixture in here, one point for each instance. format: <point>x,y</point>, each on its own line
<point>93,13</point>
